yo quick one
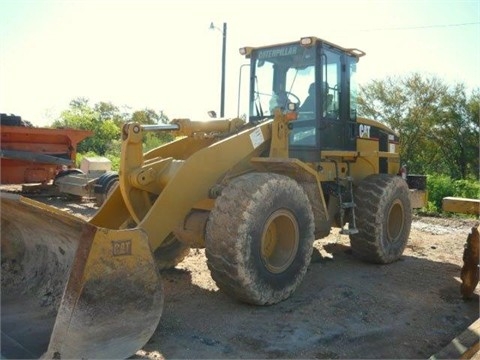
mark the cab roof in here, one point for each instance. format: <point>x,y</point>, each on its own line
<point>307,41</point>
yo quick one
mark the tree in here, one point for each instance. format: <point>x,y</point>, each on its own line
<point>106,121</point>
<point>456,133</point>
<point>102,119</point>
<point>108,111</point>
<point>147,117</point>
<point>437,124</point>
<point>150,117</point>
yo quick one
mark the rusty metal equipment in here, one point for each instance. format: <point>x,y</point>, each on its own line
<point>33,155</point>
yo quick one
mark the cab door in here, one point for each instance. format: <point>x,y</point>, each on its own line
<point>334,123</point>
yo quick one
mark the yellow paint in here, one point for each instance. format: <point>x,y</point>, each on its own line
<point>461,205</point>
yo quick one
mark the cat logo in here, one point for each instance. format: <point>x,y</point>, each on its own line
<point>364,131</point>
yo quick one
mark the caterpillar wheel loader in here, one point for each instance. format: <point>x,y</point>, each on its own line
<point>254,192</point>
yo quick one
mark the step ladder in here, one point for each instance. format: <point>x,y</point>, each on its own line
<point>344,205</point>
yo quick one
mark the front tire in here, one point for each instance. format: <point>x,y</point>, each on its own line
<point>383,216</point>
<point>259,238</point>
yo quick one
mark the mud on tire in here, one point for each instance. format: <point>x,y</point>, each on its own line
<point>259,238</point>
<point>384,218</point>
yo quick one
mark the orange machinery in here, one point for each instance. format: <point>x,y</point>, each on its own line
<point>33,155</point>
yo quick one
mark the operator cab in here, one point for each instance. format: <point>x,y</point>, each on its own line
<point>318,78</point>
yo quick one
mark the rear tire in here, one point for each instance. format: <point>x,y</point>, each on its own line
<point>383,217</point>
<point>259,238</point>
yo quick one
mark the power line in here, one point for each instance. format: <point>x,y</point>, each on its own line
<point>423,27</point>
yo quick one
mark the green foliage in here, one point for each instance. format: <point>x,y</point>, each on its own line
<point>152,140</point>
<point>102,119</point>
<point>106,120</point>
<point>149,117</point>
<point>113,153</point>
<point>440,186</point>
<point>467,188</point>
<point>115,159</point>
<point>438,124</point>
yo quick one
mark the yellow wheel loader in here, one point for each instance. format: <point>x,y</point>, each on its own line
<point>255,193</point>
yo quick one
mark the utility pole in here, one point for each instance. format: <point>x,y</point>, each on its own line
<point>224,48</point>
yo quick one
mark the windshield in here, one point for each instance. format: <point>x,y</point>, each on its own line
<point>281,75</point>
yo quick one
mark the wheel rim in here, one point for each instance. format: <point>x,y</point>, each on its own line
<point>396,221</point>
<point>280,241</point>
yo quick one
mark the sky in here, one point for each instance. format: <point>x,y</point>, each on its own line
<point>161,54</point>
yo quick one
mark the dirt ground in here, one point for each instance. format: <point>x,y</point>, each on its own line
<point>343,309</point>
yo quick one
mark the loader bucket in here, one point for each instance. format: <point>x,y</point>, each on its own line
<point>71,289</point>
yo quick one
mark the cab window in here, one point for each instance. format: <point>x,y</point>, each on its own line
<point>331,75</point>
